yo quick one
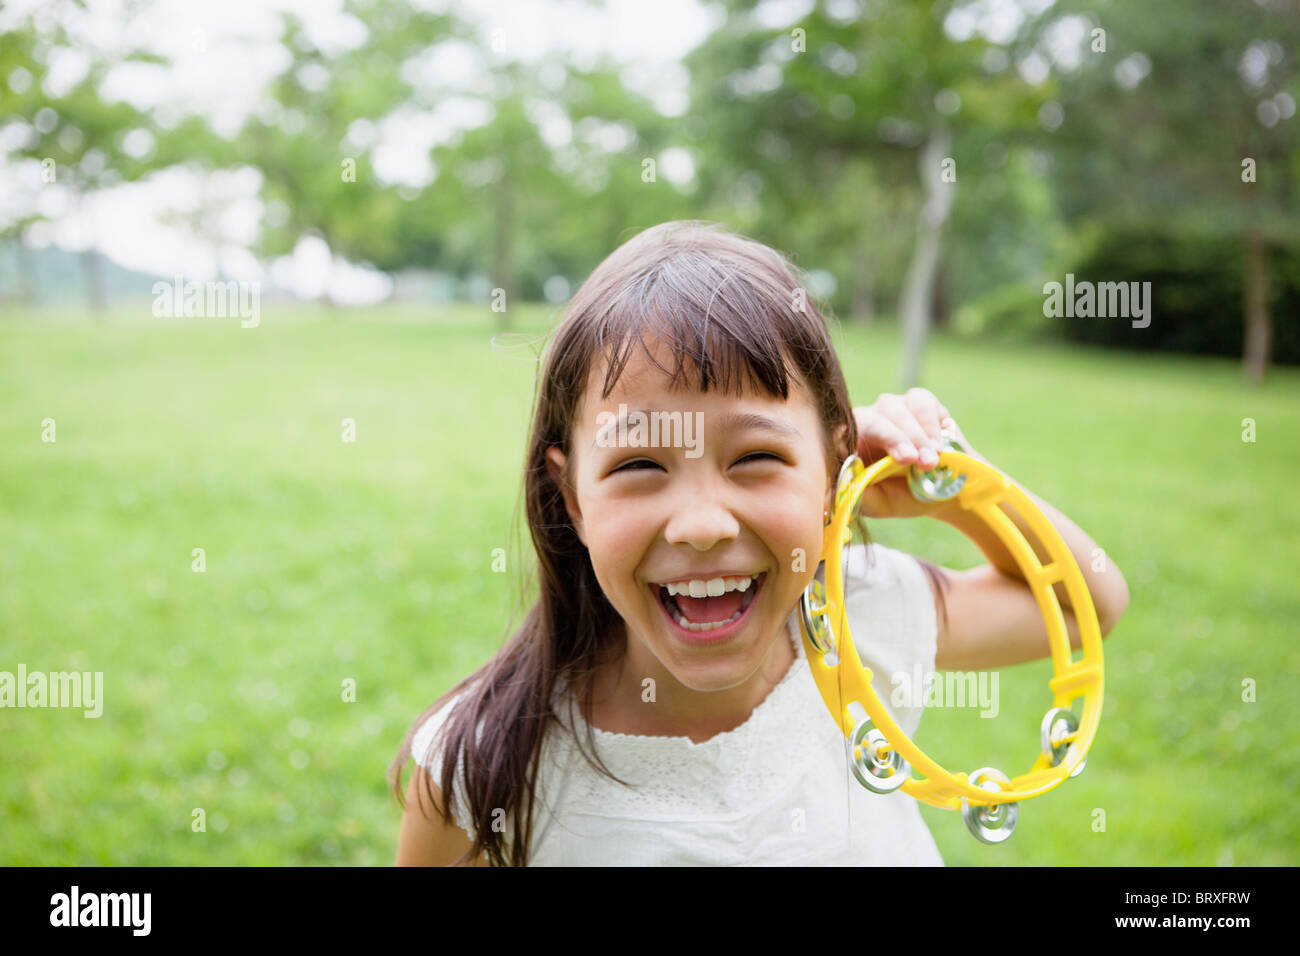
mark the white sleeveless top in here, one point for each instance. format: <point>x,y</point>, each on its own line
<point>777,790</point>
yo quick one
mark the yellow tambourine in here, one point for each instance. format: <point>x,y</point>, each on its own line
<point>883,756</point>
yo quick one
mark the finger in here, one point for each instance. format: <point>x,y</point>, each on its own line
<point>951,426</point>
<point>879,436</point>
<point>900,414</point>
<point>929,412</point>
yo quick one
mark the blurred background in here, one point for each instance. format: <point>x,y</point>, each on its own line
<point>409,193</point>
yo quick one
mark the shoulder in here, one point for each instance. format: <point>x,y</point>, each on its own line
<point>426,743</point>
<point>425,838</point>
<point>892,607</point>
<point>895,579</point>
<point>428,747</point>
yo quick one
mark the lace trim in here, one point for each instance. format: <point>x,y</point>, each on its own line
<point>733,774</point>
<point>718,740</point>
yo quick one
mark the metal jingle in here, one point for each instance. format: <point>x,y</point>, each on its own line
<point>990,823</point>
<point>816,626</point>
<point>937,484</point>
<point>877,775</point>
<point>1056,723</point>
<point>848,471</point>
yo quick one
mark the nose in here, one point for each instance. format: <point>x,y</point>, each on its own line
<point>702,520</point>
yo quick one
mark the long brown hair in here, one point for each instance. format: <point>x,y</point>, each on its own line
<point>731,309</point>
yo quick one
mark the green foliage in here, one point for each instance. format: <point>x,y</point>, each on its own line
<point>1013,311</point>
<point>316,175</point>
<point>810,135</point>
<point>1197,290</point>
<point>1157,126</point>
<point>806,135</point>
<point>76,129</point>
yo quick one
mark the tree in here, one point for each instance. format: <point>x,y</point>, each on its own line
<point>520,208</point>
<point>798,111</point>
<point>317,170</point>
<point>1193,128</point>
<point>81,142</point>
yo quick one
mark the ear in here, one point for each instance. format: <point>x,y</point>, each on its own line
<point>832,470</point>
<point>841,435</point>
<point>557,468</point>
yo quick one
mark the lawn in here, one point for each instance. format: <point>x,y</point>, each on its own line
<point>328,561</point>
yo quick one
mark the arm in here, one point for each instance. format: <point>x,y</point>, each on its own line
<point>429,842</point>
<point>993,618</point>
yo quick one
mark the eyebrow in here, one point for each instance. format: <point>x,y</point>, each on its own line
<point>749,421</point>
<point>739,421</point>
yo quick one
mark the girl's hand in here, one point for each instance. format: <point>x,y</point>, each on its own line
<point>906,428</point>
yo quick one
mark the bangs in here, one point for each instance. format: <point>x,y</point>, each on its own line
<point>723,329</point>
<point>728,314</point>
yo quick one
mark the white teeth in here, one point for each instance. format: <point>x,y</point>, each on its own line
<point>699,587</point>
<point>708,626</point>
<point>705,588</point>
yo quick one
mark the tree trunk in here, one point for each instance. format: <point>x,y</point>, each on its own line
<point>863,304</point>
<point>325,299</point>
<point>1257,348</point>
<point>91,265</point>
<point>92,270</point>
<point>942,302</point>
<point>503,245</point>
<point>26,282</point>
<point>915,305</point>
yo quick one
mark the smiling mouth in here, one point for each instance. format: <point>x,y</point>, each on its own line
<point>704,614</point>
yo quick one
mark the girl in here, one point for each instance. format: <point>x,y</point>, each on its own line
<point>655,707</point>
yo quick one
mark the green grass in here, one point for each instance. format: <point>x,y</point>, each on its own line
<point>370,561</point>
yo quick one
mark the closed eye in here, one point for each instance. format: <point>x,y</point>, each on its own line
<point>639,464</point>
<point>642,464</point>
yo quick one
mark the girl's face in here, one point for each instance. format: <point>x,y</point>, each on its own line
<point>739,498</point>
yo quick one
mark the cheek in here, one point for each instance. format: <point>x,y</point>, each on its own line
<point>618,535</point>
<point>802,516</point>
<point>790,526</point>
<point>802,554</point>
<point>791,531</point>
<point>798,533</point>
